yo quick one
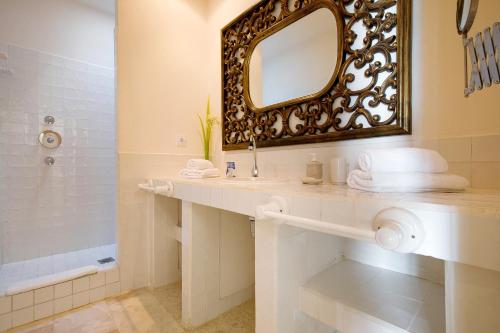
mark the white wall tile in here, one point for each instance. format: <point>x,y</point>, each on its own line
<point>456,149</point>
<point>44,310</point>
<point>5,321</point>
<point>21,317</point>
<point>43,295</point>
<point>5,304</point>
<point>112,275</point>
<point>486,148</point>
<point>22,300</point>
<point>463,169</point>
<point>83,177</point>
<point>97,294</point>
<point>97,280</point>
<point>113,289</point>
<point>63,304</point>
<point>485,175</point>
<point>63,289</point>
<point>81,299</point>
<point>309,207</point>
<point>337,210</point>
<point>81,284</point>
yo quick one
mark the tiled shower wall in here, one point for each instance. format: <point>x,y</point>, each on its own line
<point>70,205</point>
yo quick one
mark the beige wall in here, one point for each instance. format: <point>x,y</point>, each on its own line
<point>61,27</point>
<point>162,84</point>
<point>162,74</point>
<point>439,106</point>
<point>463,129</point>
<point>169,61</point>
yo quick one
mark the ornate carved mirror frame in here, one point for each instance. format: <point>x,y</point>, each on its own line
<point>337,112</point>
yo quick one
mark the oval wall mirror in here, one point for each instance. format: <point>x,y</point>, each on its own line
<point>296,72</point>
<point>299,61</point>
<point>466,12</point>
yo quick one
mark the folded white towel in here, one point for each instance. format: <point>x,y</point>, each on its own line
<point>199,164</point>
<point>167,189</point>
<point>402,160</point>
<point>406,182</point>
<point>194,173</point>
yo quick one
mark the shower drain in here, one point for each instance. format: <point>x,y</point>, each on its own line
<point>106,260</point>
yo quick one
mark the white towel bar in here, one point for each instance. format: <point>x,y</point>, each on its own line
<point>395,229</point>
<point>325,227</point>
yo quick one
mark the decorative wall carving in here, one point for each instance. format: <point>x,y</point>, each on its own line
<point>370,96</point>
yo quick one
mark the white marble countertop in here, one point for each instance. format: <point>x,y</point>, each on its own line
<point>471,198</point>
<point>462,227</point>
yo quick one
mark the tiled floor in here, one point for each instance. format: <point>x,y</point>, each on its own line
<point>29,269</point>
<point>143,310</point>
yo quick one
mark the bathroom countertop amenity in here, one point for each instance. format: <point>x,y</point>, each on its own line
<point>404,170</point>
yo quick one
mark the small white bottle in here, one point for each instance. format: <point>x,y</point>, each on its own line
<point>314,168</point>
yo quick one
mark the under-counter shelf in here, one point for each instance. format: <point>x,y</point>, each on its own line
<point>354,297</point>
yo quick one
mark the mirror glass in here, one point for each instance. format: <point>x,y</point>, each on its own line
<point>466,11</point>
<point>465,14</point>
<point>296,61</point>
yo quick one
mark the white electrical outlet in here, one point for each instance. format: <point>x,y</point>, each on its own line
<point>181,141</point>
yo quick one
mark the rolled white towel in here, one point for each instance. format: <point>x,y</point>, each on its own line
<point>199,164</point>
<point>194,173</point>
<point>402,160</point>
<point>166,189</point>
<point>406,182</point>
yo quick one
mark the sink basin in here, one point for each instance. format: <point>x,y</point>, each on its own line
<point>254,180</point>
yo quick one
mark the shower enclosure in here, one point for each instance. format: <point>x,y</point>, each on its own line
<point>57,147</point>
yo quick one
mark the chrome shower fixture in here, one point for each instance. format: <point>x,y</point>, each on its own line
<point>49,120</point>
<point>49,160</point>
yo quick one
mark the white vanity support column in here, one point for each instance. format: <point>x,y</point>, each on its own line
<point>472,299</point>
<point>286,258</point>
<point>297,246</point>
<point>163,250</point>
<point>166,245</point>
<point>266,278</point>
<point>217,262</point>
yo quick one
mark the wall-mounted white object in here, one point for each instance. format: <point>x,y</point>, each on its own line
<point>394,229</point>
<point>338,170</point>
<point>181,141</point>
<point>166,189</point>
<point>398,230</point>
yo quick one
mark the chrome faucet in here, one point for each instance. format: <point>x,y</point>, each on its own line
<point>252,146</point>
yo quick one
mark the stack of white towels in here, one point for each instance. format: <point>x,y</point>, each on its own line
<point>199,168</point>
<point>404,170</point>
